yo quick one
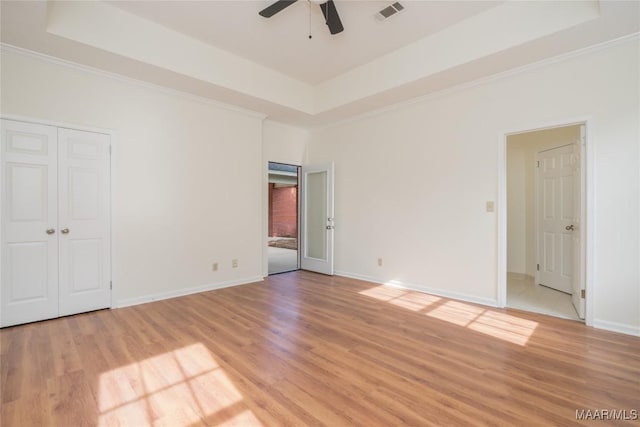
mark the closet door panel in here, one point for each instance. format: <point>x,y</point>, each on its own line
<point>29,247</point>
<point>84,196</point>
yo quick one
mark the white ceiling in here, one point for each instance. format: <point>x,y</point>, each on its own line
<point>225,51</point>
<point>282,41</point>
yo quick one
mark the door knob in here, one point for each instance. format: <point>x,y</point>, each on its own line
<point>64,231</point>
<point>568,228</point>
<point>51,230</point>
<point>329,227</point>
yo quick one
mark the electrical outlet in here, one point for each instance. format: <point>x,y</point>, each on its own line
<point>379,262</point>
<point>234,263</point>
<point>490,206</point>
<point>214,266</point>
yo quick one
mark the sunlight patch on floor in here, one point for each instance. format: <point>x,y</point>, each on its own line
<point>504,326</point>
<point>456,312</point>
<point>177,388</point>
<point>413,301</point>
<point>489,322</point>
<point>245,418</point>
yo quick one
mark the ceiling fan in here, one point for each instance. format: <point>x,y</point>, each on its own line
<point>328,8</point>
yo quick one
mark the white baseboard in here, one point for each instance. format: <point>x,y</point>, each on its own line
<point>419,288</point>
<point>185,291</point>
<point>617,327</point>
<point>598,324</point>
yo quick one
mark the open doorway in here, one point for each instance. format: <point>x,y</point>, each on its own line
<point>283,221</point>
<point>545,250</point>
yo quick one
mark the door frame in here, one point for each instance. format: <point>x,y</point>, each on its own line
<point>112,141</point>
<point>586,209</point>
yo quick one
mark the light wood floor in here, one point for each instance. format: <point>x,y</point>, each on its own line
<point>305,349</point>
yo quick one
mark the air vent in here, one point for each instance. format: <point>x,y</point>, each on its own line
<point>389,11</point>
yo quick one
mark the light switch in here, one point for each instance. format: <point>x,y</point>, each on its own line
<point>490,206</point>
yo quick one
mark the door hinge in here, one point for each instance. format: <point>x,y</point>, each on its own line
<point>109,149</point>
<point>538,164</point>
<point>110,285</point>
<point>538,267</point>
<point>583,293</point>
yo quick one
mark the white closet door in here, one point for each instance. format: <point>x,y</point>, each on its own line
<point>29,223</point>
<point>85,251</point>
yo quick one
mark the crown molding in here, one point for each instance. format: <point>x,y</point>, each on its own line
<point>482,81</point>
<point>4,47</point>
<point>389,108</point>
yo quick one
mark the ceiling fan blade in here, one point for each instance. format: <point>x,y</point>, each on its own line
<point>276,7</point>
<point>331,17</point>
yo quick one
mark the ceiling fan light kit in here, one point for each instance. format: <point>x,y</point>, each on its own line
<point>328,8</point>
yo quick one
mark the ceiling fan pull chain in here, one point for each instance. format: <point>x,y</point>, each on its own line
<point>309,4</point>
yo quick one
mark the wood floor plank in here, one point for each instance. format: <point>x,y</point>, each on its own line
<point>306,349</point>
<point>30,410</point>
<point>70,400</point>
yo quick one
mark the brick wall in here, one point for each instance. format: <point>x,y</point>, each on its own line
<point>283,211</point>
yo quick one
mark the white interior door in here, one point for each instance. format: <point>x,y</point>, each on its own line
<point>556,216</point>
<point>317,218</point>
<point>29,289</point>
<point>84,164</point>
<point>578,283</point>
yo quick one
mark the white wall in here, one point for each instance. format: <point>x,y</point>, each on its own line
<point>283,144</point>
<point>187,175</point>
<point>412,183</point>
<point>516,209</point>
<point>521,207</point>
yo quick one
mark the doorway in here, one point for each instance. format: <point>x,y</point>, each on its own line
<point>545,206</point>
<point>283,218</point>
